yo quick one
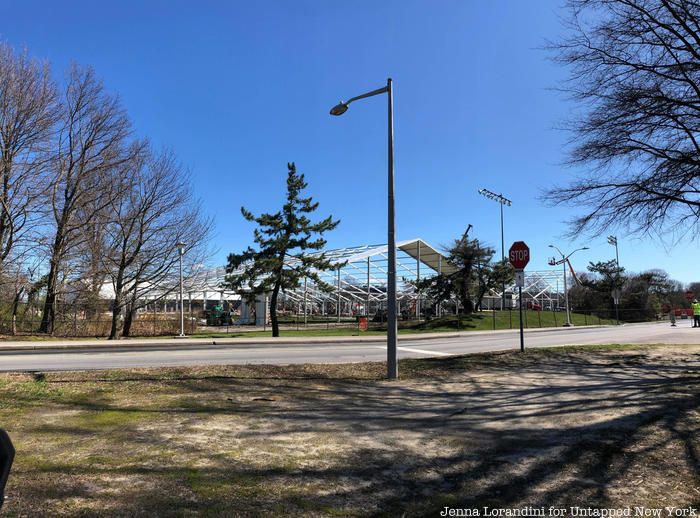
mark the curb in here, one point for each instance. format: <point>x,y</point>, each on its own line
<point>219,343</point>
<point>175,344</point>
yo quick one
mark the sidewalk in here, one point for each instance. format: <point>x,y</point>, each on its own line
<point>133,344</point>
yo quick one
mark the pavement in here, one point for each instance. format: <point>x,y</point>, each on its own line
<point>152,353</point>
<point>130,344</point>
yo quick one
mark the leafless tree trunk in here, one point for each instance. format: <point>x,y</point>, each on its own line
<point>154,213</point>
<point>89,265</point>
<point>90,147</point>
<point>635,70</point>
<point>28,114</point>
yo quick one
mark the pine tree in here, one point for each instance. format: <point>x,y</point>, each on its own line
<point>287,248</point>
<point>475,274</point>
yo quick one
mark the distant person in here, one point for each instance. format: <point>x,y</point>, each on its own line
<point>696,313</point>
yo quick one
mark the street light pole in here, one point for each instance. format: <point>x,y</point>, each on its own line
<point>564,259</point>
<point>502,200</point>
<point>566,296</point>
<point>613,241</point>
<point>181,249</point>
<point>391,336</point>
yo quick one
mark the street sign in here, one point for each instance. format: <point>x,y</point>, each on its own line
<point>519,255</point>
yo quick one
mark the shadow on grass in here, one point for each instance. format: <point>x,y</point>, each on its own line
<point>564,428</point>
<point>451,322</point>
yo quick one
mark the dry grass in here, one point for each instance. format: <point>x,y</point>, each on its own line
<point>606,427</point>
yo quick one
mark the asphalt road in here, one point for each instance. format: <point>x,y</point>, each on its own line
<point>331,352</point>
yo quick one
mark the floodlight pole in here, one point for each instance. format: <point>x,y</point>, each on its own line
<point>391,336</point>
<point>501,200</point>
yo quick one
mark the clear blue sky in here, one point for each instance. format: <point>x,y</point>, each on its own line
<point>240,88</point>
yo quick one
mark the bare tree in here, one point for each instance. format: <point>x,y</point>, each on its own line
<point>89,266</point>
<point>28,114</point>
<point>635,70</point>
<point>17,282</point>
<point>90,146</point>
<point>156,211</point>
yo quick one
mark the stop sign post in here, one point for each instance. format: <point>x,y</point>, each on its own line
<point>519,256</point>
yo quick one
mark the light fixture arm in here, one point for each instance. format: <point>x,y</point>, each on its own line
<point>381,90</point>
<point>342,106</point>
<point>563,256</point>
<point>577,250</point>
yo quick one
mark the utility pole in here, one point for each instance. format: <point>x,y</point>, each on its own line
<point>612,240</point>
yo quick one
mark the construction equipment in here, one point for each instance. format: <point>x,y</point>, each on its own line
<point>218,316</point>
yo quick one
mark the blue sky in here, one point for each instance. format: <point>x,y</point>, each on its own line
<point>240,88</point>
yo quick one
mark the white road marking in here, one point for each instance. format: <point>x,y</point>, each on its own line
<point>420,351</point>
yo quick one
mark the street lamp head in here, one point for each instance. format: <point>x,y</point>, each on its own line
<point>339,108</point>
<point>180,246</point>
<point>550,246</point>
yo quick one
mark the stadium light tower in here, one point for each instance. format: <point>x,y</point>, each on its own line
<point>502,200</point>
<point>391,351</point>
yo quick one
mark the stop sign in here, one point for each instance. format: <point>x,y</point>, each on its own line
<point>519,255</point>
<point>689,295</point>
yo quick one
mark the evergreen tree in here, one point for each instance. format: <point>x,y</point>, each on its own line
<point>610,276</point>
<point>476,274</point>
<point>287,242</point>
<point>493,275</point>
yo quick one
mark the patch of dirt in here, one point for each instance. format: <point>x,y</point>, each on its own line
<point>598,428</point>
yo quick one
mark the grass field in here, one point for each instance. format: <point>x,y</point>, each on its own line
<point>599,427</point>
<point>483,321</point>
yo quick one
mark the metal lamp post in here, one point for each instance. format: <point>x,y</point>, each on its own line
<point>391,351</point>
<point>612,240</point>
<point>181,249</point>
<point>502,200</point>
<point>564,259</point>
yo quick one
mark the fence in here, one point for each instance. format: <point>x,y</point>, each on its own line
<point>80,321</point>
<point>93,321</point>
<point>483,320</point>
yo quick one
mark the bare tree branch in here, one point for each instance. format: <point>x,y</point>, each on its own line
<point>635,67</point>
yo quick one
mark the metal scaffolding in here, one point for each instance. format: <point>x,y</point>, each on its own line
<point>542,287</point>
<point>357,285</point>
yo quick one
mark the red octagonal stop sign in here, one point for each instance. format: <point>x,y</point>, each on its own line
<point>519,255</point>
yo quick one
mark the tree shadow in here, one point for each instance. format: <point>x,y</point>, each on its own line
<point>593,429</point>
